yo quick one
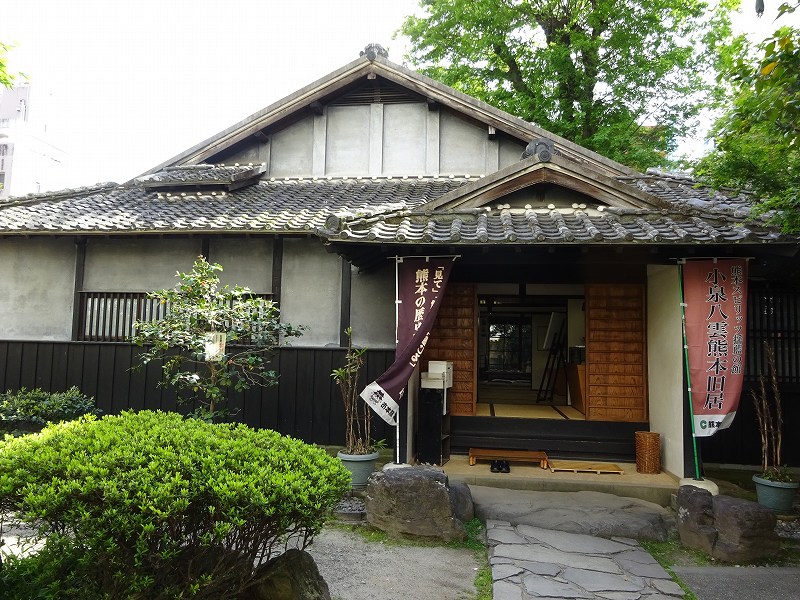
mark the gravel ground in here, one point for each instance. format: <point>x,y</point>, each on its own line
<point>359,570</point>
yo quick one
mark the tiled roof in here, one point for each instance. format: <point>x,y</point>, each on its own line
<point>693,214</point>
<point>570,226</point>
<point>275,205</point>
<point>202,176</point>
<point>381,210</point>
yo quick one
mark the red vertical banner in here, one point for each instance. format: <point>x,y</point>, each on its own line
<point>715,299</point>
<point>420,288</point>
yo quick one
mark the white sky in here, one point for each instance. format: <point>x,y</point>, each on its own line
<point>133,84</point>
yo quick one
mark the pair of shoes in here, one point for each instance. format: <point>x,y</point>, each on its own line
<point>500,466</point>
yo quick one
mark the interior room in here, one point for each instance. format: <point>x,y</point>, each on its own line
<point>531,341</point>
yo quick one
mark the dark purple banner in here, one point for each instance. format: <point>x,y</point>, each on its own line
<point>420,285</point>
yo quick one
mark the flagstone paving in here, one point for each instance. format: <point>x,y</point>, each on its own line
<point>532,563</point>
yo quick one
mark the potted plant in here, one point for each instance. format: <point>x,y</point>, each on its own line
<point>775,485</point>
<point>360,453</point>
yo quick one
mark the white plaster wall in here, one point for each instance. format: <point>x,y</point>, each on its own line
<point>38,284</point>
<point>462,146</point>
<point>372,308</point>
<point>404,135</point>
<point>245,262</point>
<point>292,150</point>
<point>137,265</point>
<point>665,363</point>
<point>380,139</point>
<point>347,150</point>
<point>311,291</point>
<point>510,152</point>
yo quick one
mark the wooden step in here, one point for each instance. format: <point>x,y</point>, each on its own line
<point>509,455</point>
<point>577,466</point>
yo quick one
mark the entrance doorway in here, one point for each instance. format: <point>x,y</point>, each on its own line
<point>524,353</point>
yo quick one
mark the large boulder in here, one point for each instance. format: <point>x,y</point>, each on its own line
<point>291,576</point>
<point>412,501</point>
<point>696,518</point>
<point>728,529</point>
<point>746,530</point>
<point>461,501</point>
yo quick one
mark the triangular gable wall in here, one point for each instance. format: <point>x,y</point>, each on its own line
<point>315,114</point>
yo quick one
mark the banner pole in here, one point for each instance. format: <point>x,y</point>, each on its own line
<point>688,374</point>
<point>397,260</point>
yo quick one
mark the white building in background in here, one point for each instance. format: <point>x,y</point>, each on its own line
<point>29,161</point>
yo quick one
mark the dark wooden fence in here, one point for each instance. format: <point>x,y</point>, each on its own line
<point>305,404</point>
<point>773,316</point>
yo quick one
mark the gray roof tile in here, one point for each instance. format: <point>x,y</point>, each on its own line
<point>279,205</point>
<point>379,210</point>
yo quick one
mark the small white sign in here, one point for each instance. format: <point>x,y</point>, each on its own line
<point>381,402</point>
<point>214,345</point>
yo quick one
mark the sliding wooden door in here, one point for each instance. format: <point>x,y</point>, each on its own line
<point>616,361</point>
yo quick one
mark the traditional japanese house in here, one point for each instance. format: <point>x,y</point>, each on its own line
<point>562,316</point>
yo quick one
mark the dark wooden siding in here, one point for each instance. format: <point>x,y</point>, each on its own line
<point>773,316</point>
<point>304,404</point>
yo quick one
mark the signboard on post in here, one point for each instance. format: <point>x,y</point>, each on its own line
<point>420,287</point>
<point>715,301</point>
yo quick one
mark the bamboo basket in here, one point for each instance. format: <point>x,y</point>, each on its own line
<point>648,452</point>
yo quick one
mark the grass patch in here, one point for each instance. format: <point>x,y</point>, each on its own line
<point>674,554</point>
<point>671,554</point>
<point>474,541</point>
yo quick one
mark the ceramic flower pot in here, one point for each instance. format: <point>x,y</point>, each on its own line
<point>360,466</point>
<point>776,495</point>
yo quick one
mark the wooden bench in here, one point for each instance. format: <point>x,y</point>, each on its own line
<point>509,455</point>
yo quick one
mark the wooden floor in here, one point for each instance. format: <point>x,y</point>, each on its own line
<point>528,411</point>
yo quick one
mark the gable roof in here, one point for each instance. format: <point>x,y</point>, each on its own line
<point>367,68</point>
<point>688,214</point>
<point>581,178</point>
<point>381,210</point>
<point>186,196</point>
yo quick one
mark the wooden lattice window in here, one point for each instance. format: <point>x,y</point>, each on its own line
<point>773,316</point>
<point>109,316</point>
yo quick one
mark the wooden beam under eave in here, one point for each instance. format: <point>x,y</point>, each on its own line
<point>317,108</point>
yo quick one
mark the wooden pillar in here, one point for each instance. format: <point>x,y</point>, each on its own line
<point>80,268</point>
<point>345,301</point>
<point>277,269</point>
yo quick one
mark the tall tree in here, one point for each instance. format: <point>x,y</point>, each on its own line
<point>6,78</point>
<point>622,77</point>
<point>757,138</point>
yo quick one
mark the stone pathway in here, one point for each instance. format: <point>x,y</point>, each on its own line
<point>533,563</point>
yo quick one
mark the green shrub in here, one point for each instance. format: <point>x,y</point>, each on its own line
<point>152,505</point>
<point>27,409</point>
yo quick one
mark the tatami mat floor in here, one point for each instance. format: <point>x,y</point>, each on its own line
<point>528,411</point>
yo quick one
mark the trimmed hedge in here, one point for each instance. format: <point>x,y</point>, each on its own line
<point>152,505</point>
<point>27,410</point>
